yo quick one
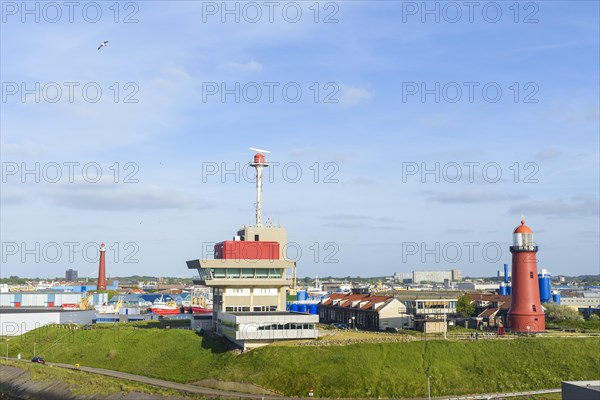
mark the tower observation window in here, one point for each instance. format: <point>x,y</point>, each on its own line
<point>531,275</point>
<point>256,238</point>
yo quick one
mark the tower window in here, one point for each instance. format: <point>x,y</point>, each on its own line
<point>531,275</point>
<point>534,309</point>
<point>256,238</point>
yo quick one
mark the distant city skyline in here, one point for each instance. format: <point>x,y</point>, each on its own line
<point>399,142</point>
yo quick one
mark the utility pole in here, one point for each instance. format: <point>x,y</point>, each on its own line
<point>428,388</point>
<point>445,323</point>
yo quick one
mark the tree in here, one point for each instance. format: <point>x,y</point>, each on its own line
<point>554,312</point>
<point>464,307</point>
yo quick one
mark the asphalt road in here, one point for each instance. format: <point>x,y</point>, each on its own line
<point>237,395</point>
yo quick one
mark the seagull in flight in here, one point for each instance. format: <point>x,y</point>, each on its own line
<point>103,44</point>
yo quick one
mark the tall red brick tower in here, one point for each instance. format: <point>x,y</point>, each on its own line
<point>102,269</point>
<point>525,314</point>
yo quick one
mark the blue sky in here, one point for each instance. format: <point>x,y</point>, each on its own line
<point>365,217</point>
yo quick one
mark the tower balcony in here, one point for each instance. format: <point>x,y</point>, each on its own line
<point>241,272</point>
<point>519,249</point>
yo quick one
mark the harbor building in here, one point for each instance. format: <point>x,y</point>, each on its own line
<point>430,314</point>
<point>249,277</point>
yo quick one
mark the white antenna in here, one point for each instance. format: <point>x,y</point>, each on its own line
<point>259,150</point>
<point>259,162</point>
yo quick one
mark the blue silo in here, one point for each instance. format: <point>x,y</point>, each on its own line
<point>503,289</point>
<point>545,286</point>
<point>302,296</point>
<point>313,309</point>
<point>294,307</point>
<point>303,308</point>
<point>556,297</point>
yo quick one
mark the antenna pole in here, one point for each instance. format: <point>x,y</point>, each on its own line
<point>259,195</point>
<point>259,163</point>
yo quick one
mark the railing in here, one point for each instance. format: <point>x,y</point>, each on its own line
<point>523,248</point>
<point>249,278</point>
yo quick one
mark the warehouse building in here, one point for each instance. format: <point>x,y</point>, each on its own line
<point>452,275</point>
<point>49,299</point>
<point>17,321</point>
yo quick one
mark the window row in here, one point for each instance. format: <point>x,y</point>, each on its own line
<point>247,273</point>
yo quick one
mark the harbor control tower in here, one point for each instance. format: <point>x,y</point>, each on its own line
<point>249,276</point>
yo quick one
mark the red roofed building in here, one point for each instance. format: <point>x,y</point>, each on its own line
<point>491,309</point>
<point>365,311</point>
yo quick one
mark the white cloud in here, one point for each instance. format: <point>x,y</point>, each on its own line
<point>250,66</point>
<point>468,196</point>
<point>577,206</point>
<point>23,149</point>
<point>124,198</point>
<point>362,181</point>
<point>548,155</point>
<point>353,95</point>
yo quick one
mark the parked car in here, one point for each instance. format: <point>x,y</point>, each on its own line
<point>340,326</point>
<point>38,360</point>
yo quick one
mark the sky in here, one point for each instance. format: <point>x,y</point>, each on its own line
<point>403,135</point>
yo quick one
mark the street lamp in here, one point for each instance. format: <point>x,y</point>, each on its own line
<point>428,388</point>
<point>353,322</point>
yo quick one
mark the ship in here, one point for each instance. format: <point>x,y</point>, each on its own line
<point>109,308</point>
<point>164,308</point>
<point>200,306</point>
<point>198,302</point>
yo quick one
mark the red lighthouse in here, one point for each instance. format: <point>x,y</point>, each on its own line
<point>102,269</point>
<point>525,313</point>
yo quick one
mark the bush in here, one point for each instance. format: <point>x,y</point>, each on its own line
<point>558,313</point>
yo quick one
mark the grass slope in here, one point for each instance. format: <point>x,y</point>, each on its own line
<point>83,384</point>
<point>359,370</point>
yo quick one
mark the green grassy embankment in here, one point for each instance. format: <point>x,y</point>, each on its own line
<point>358,370</point>
<point>82,383</point>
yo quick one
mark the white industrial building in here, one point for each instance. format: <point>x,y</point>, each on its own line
<point>451,275</point>
<point>17,321</point>
<point>476,286</point>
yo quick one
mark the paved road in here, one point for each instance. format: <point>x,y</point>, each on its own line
<point>493,396</point>
<point>226,394</point>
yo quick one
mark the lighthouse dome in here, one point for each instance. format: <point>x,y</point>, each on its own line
<point>523,228</point>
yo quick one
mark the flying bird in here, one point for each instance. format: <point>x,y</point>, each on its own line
<point>103,44</point>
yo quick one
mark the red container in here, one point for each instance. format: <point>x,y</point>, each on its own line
<point>50,304</point>
<point>17,304</point>
<point>243,250</point>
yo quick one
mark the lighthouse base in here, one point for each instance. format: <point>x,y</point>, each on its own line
<point>526,323</point>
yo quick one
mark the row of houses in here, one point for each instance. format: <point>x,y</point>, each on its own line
<point>372,312</point>
<point>430,315</point>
